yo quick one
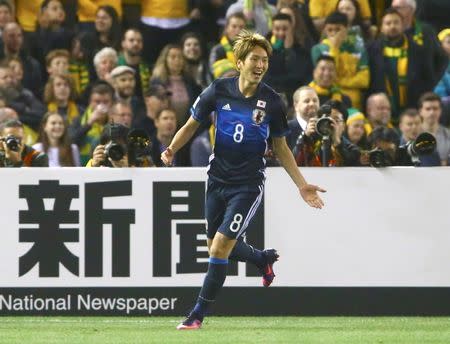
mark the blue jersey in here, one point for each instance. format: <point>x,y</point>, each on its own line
<point>243,126</point>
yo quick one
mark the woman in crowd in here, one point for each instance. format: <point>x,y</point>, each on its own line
<point>196,64</point>
<point>60,95</point>
<point>357,27</point>
<point>107,28</point>
<point>107,32</point>
<point>171,71</point>
<point>55,142</point>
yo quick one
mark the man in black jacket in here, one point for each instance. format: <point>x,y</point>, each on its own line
<point>22,100</point>
<point>13,46</point>
<point>290,65</point>
<point>423,35</point>
<point>399,67</point>
<point>306,104</point>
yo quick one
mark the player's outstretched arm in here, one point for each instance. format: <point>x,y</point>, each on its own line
<point>180,139</point>
<point>307,191</point>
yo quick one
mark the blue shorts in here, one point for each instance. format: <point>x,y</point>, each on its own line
<point>230,208</point>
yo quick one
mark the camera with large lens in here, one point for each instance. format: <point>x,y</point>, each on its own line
<point>138,147</point>
<point>424,144</point>
<point>324,125</point>
<point>12,142</point>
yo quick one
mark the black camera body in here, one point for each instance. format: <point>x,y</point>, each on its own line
<point>115,150</point>
<point>12,142</point>
<point>380,158</point>
<point>324,125</point>
<point>135,143</point>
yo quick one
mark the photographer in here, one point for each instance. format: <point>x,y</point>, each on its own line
<point>13,152</point>
<point>410,127</point>
<point>386,150</point>
<point>121,147</point>
<point>323,142</point>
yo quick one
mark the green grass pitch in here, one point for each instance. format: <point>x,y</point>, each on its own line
<point>236,330</point>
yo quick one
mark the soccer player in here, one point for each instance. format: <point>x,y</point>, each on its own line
<point>247,110</point>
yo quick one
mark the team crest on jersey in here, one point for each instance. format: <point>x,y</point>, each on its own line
<point>258,116</point>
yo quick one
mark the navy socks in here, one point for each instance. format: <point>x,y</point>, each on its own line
<point>215,277</point>
<point>246,253</point>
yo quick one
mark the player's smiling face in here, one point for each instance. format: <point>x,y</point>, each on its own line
<point>254,66</point>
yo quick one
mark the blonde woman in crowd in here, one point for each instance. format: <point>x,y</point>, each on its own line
<point>171,71</point>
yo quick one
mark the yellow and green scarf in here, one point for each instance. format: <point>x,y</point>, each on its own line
<point>277,44</point>
<point>334,92</point>
<point>226,44</point>
<point>79,73</point>
<point>72,110</point>
<point>222,66</point>
<point>418,33</point>
<point>144,72</point>
<point>396,83</point>
<point>92,138</point>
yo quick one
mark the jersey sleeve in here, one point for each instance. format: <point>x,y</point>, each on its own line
<point>278,123</point>
<point>204,104</point>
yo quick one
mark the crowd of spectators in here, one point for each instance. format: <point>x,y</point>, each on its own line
<point>76,75</point>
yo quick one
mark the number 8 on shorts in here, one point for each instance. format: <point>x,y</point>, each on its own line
<point>236,224</point>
